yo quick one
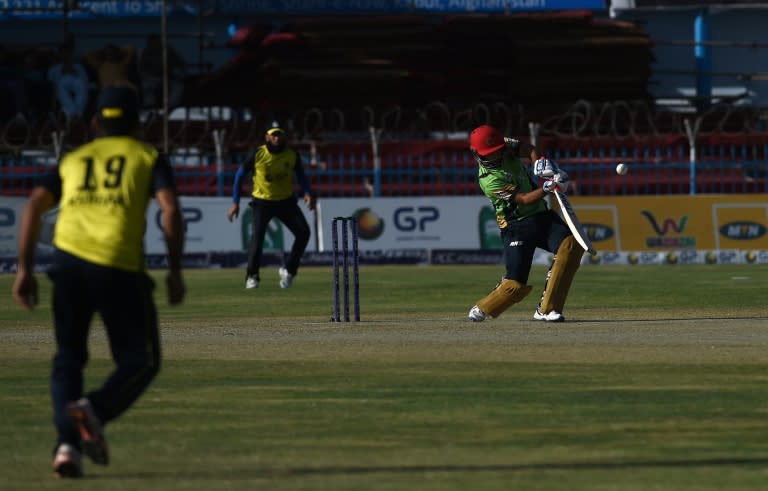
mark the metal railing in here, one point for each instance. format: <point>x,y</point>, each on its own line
<point>703,158</point>
<point>446,168</point>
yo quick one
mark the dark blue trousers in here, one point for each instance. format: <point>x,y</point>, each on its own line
<point>124,301</point>
<point>288,212</point>
<point>521,238</point>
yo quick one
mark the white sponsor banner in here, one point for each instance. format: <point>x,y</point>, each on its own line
<point>402,223</point>
<point>386,224</point>
<point>205,223</point>
<point>208,229</point>
<point>10,214</point>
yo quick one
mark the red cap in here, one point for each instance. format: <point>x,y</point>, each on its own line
<point>485,140</point>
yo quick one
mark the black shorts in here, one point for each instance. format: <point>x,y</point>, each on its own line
<point>521,238</point>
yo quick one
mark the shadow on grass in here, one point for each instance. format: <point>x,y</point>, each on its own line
<point>664,319</point>
<point>267,473</point>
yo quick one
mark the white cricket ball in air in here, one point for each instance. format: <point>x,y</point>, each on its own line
<point>621,169</point>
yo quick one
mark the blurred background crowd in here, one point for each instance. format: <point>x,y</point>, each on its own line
<point>379,96</point>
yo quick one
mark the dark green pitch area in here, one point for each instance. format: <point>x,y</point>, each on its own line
<point>658,380</point>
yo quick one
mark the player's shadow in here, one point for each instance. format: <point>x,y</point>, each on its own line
<point>656,320</point>
<point>293,472</point>
<point>573,466</point>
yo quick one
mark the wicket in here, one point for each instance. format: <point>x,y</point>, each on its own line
<point>348,225</point>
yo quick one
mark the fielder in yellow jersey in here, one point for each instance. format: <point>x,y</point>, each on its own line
<point>102,189</point>
<point>273,167</point>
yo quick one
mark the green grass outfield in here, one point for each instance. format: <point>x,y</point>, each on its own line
<point>658,381</point>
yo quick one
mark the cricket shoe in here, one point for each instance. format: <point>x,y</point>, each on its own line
<point>286,278</point>
<point>251,282</point>
<point>477,315</point>
<point>67,462</point>
<point>550,317</point>
<point>94,444</point>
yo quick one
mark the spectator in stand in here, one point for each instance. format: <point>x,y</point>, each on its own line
<point>151,73</point>
<point>115,66</point>
<point>12,92</point>
<point>70,83</point>
<point>36,85</point>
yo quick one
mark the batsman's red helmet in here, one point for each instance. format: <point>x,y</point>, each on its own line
<point>485,139</point>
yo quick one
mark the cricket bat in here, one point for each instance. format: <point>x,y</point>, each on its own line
<point>573,222</point>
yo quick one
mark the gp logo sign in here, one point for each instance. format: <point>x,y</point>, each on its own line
<point>188,215</point>
<point>415,219</point>
<point>7,217</point>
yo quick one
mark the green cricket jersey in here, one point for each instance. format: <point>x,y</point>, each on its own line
<point>510,178</point>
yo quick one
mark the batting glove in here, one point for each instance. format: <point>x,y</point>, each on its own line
<point>562,180</point>
<point>545,168</point>
<point>549,186</point>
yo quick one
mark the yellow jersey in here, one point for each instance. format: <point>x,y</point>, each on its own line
<point>103,189</point>
<point>273,174</point>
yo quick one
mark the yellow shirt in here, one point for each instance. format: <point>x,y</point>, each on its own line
<point>106,186</point>
<point>273,174</point>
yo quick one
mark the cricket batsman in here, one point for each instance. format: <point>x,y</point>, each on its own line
<point>525,223</point>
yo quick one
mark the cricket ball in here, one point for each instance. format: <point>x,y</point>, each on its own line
<point>621,169</point>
